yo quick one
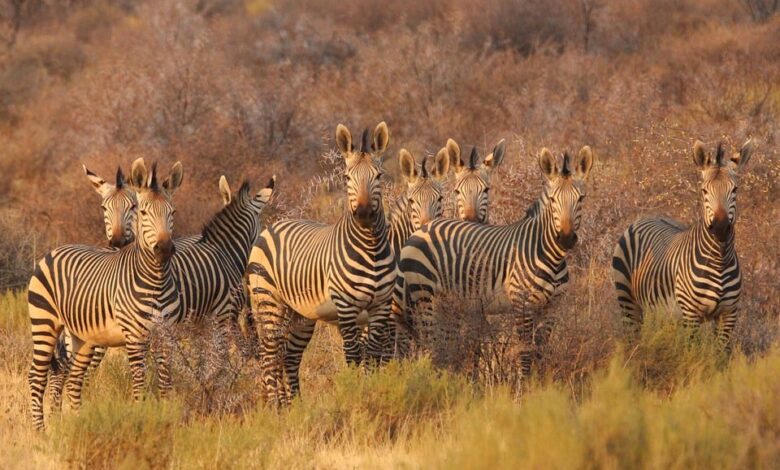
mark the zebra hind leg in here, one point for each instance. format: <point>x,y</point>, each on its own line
<point>271,323</point>
<point>300,333</point>
<point>45,332</point>
<point>60,365</point>
<point>80,360</point>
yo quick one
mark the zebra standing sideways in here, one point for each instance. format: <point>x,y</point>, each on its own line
<point>659,262</point>
<point>420,203</point>
<point>519,265</point>
<point>107,297</point>
<point>209,267</point>
<point>327,272</point>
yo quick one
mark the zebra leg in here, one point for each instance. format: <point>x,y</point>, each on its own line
<point>272,321</point>
<point>526,330</point>
<point>136,357</point>
<point>726,321</point>
<point>60,365</point>
<point>301,331</point>
<point>80,360</point>
<point>162,356</point>
<point>350,332</point>
<point>378,333</point>
<point>45,330</point>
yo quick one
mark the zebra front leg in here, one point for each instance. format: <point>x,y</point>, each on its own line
<point>136,357</point>
<point>726,322</point>
<point>162,354</point>
<point>301,332</point>
<point>80,360</point>
<point>350,332</point>
<point>378,333</point>
<point>526,331</point>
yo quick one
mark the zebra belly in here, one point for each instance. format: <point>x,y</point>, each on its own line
<point>110,335</point>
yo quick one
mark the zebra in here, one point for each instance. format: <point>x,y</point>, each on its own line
<point>520,266</point>
<point>209,267</point>
<point>327,272</point>
<point>118,203</point>
<point>420,203</point>
<point>659,262</point>
<point>472,181</point>
<point>105,296</point>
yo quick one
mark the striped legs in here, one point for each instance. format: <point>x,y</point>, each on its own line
<point>136,356</point>
<point>301,331</point>
<point>270,318</point>
<point>379,330</point>
<point>726,321</point>
<point>45,331</point>
<point>350,332</point>
<point>80,360</point>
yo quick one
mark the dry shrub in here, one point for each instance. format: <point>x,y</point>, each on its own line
<point>213,367</point>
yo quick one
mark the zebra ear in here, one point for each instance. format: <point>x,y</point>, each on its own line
<point>548,164</point>
<point>173,181</point>
<point>343,139</point>
<point>744,154</point>
<point>224,190</point>
<point>98,184</point>
<point>441,164</point>
<point>381,138</point>
<point>496,156</point>
<point>584,162</point>
<point>139,174</point>
<point>700,157</point>
<point>408,166</point>
<point>453,150</point>
<point>264,195</point>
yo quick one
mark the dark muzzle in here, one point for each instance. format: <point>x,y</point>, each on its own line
<point>365,215</point>
<point>567,240</point>
<point>164,250</point>
<point>720,227</point>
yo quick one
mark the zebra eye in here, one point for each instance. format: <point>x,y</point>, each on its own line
<point>704,191</point>
<point>142,212</point>
<point>487,190</point>
<point>441,198</point>
<point>457,192</point>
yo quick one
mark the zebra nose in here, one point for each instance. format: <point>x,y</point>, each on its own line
<point>470,215</point>
<point>164,248</point>
<point>721,224</point>
<point>116,242</point>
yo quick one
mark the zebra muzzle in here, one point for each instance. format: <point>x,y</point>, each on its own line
<point>567,240</point>
<point>164,249</point>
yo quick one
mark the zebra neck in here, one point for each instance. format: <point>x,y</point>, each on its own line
<point>155,275</point>
<point>233,231</point>
<point>400,224</point>
<point>539,228</point>
<point>707,246</point>
<point>374,235</point>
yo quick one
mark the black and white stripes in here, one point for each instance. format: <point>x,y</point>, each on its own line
<point>658,262</point>
<point>107,297</point>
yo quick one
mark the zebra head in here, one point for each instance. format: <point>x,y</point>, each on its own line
<point>364,172</point>
<point>564,192</point>
<point>424,191</point>
<point>719,186</point>
<point>155,209</point>
<point>118,203</point>
<point>472,181</point>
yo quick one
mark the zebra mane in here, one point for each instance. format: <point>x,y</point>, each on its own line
<point>473,158</point>
<point>153,185</point>
<point>566,170</point>
<point>534,210</point>
<point>719,155</point>
<point>209,228</point>
<point>120,178</point>
<point>424,168</point>
<point>364,146</point>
